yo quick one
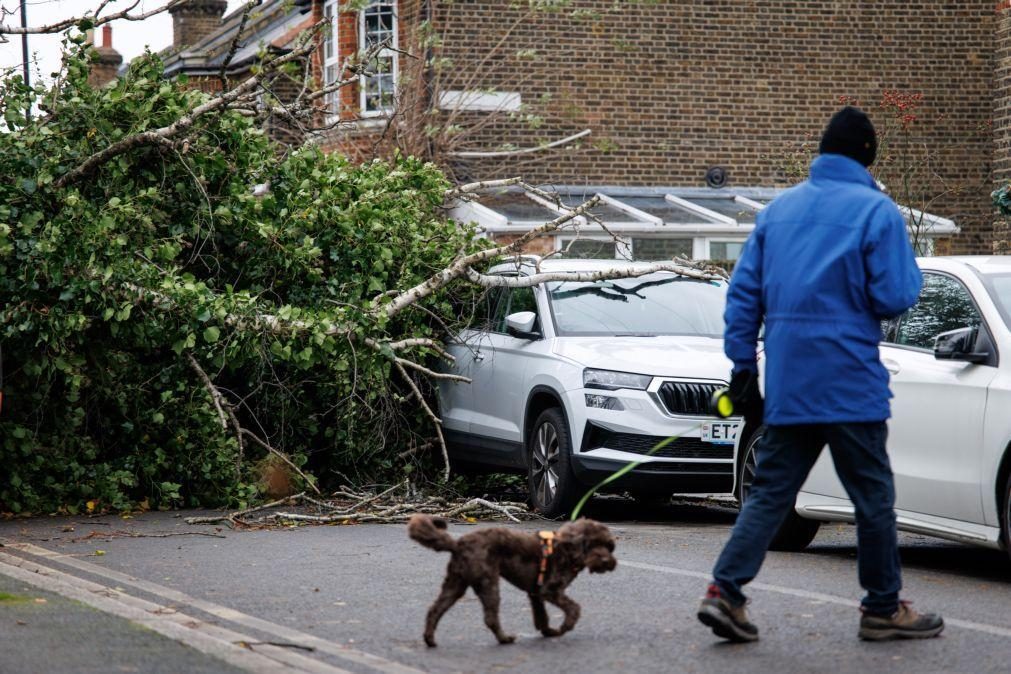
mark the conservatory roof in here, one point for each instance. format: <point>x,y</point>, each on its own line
<point>645,209</point>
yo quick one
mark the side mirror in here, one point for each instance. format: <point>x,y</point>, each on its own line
<point>522,324</point>
<point>959,345</point>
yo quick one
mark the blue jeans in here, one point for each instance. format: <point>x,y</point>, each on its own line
<point>786,455</point>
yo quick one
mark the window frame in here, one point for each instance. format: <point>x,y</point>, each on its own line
<point>333,60</point>
<point>390,53</point>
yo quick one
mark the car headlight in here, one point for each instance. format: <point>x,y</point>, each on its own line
<point>612,381</point>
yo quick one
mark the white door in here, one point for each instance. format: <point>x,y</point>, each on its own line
<point>935,435</point>
<point>499,393</point>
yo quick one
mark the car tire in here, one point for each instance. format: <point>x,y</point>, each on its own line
<point>551,483</point>
<point>1005,523</point>
<point>796,532</point>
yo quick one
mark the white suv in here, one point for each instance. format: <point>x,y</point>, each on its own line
<point>573,380</point>
<point>949,438</point>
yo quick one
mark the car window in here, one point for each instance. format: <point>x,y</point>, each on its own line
<point>655,304</point>
<point>512,301</point>
<point>487,311</point>
<point>944,304</point>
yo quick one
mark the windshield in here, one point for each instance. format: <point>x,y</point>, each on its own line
<point>999,286</point>
<point>656,304</point>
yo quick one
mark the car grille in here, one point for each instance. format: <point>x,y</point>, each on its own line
<point>682,448</point>
<point>680,397</point>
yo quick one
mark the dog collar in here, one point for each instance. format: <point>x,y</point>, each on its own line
<point>547,549</point>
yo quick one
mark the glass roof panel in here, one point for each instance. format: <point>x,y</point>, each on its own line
<point>726,206</point>
<point>605,212</point>
<point>665,210</point>
<point>517,207</point>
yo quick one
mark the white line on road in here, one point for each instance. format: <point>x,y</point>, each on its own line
<point>815,596</point>
<point>288,634</point>
<point>211,640</point>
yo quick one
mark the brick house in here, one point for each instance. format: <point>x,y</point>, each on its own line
<point>651,95</point>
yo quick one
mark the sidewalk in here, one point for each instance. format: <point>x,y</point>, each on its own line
<point>42,632</point>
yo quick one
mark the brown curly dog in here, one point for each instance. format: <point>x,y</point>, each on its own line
<point>481,557</point>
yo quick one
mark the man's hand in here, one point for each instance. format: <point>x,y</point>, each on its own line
<point>746,396</point>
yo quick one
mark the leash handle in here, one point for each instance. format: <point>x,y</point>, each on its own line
<point>625,469</point>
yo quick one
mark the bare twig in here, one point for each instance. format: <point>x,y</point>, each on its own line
<point>60,26</point>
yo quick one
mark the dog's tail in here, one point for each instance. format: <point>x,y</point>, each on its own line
<point>430,532</point>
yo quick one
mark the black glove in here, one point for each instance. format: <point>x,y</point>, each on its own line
<point>746,397</point>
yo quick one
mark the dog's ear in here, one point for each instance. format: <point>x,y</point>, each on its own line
<point>573,536</point>
<point>439,523</point>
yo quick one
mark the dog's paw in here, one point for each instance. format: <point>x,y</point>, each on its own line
<point>507,638</point>
<point>430,640</point>
<point>551,632</point>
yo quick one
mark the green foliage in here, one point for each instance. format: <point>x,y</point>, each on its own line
<point>110,284</point>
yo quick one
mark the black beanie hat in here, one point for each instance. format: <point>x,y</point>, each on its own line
<point>850,133</point>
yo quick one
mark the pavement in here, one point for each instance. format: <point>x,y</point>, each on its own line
<point>153,594</point>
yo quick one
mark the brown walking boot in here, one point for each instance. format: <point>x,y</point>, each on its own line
<point>726,620</point>
<point>905,623</point>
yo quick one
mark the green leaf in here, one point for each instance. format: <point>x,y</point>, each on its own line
<point>211,334</point>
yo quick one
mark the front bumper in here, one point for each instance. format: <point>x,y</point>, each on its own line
<point>605,440</point>
<point>660,477</point>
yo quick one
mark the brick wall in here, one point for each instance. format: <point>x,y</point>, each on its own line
<point>672,87</point>
<point>1002,118</point>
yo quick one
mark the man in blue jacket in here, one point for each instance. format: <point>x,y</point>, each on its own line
<point>828,260</point>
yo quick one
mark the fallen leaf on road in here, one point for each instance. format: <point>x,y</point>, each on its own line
<point>40,600</point>
<point>99,553</point>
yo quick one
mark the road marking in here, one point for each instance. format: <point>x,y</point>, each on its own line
<point>287,634</point>
<point>815,596</point>
<point>211,640</point>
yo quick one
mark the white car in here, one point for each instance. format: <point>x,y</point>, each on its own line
<point>949,437</point>
<point>571,381</point>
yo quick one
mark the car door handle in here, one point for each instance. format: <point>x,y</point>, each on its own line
<point>891,365</point>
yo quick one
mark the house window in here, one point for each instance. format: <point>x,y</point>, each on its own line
<point>331,56</point>
<point>661,249</point>
<point>378,25</point>
<point>725,251</point>
<point>593,248</point>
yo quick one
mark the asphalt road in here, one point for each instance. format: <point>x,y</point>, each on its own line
<point>353,598</point>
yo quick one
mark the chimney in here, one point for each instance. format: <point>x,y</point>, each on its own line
<point>105,67</point>
<point>194,20</point>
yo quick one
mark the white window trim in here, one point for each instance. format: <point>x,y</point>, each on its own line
<point>386,52</point>
<point>332,100</point>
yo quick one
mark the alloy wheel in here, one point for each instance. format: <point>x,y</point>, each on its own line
<point>545,463</point>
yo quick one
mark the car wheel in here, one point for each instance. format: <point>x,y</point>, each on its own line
<point>796,532</point>
<point>1006,519</point>
<point>553,488</point>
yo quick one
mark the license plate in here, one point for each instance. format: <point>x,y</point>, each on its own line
<point>720,432</point>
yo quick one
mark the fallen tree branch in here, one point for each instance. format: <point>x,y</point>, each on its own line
<point>619,271</point>
<point>163,134</point>
<point>232,517</point>
<point>386,508</point>
<point>475,154</point>
<point>436,421</point>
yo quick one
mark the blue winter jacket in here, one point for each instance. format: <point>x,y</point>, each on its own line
<point>828,260</point>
